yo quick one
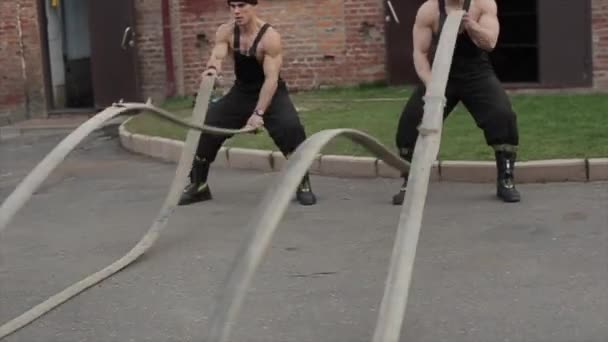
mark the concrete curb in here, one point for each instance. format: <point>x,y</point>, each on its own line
<point>542,171</point>
<point>46,126</point>
<point>11,132</point>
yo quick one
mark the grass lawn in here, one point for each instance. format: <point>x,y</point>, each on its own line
<point>551,125</point>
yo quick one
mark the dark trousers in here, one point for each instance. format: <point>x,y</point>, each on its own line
<point>234,109</point>
<point>483,96</point>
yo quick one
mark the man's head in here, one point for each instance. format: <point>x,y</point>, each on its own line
<point>242,10</point>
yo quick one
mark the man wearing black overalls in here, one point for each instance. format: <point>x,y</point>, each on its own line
<point>472,80</point>
<point>259,97</point>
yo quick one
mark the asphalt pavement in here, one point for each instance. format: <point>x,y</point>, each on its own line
<point>485,271</point>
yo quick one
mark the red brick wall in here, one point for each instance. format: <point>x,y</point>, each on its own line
<point>150,48</point>
<point>21,82</point>
<point>326,42</point>
<point>176,41</point>
<point>12,94</point>
<point>600,43</point>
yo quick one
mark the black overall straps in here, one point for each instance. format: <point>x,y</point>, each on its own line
<point>248,70</point>
<point>237,39</point>
<point>254,46</point>
<point>256,41</point>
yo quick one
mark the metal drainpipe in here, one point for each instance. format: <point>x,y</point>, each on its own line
<point>168,47</point>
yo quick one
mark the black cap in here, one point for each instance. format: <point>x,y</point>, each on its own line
<point>251,2</point>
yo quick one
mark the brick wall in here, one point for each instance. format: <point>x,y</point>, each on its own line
<point>600,43</point>
<point>326,42</point>
<point>176,39</point>
<point>150,48</point>
<point>21,81</point>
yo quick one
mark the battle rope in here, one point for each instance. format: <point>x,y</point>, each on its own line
<point>394,301</point>
<point>274,204</point>
<point>30,184</point>
<point>272,208</point>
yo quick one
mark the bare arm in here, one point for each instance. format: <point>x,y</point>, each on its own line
<point>485,32</point>
<point>422,39</point>
<point>220,47</point>
<point>273,59</point>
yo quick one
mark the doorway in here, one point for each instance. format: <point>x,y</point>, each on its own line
<point>518,41</point>
<point>399,42</point>
<point>69,51</point>
<point>91,59</point>
<point>542,43</point>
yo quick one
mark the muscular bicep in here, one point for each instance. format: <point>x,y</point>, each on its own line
<point>422,32</point>
<point>422,39</point>
<point>220,50</point>
<point>222,43</point>
<point>489,19</point>
<point>273,56</point>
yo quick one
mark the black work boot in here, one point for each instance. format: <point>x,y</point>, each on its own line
<point>304,193</point>
<point>400,196</point>
<point>198,189</point>
<point>505,186</point>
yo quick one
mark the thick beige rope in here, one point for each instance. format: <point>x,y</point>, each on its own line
<point>26,188</point>
<point>272,208</point>
<point>274,205</point>
<point>394,302</point>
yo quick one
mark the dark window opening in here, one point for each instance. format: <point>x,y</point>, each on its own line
<point>515,58</point>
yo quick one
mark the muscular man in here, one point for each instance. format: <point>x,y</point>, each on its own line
<point>472,80</point>
<point>259,96</point>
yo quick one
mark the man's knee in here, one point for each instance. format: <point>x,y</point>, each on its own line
<point>506,118</point>
<point>288,135</point>
<point>410,118</point>
<point>502,129</point>
<point>214,115</point>
<point>209,145</point>
<point>295,132</point>
<point>407,130</point>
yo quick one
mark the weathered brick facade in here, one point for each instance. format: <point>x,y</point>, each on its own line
<point>326,42</point>
<point>21,81</point>
<point>151,54</point>
<point>600,43</point>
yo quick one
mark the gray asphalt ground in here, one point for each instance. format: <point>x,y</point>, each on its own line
<point>485,271</point>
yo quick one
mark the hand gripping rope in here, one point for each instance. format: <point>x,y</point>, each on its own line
<point>262,227</point>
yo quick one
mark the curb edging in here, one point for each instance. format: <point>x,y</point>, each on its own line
<point>538,171</point>
<point>11,132</point>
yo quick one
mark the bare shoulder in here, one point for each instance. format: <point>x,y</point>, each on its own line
<point>488,6</point>
<point>224,31</point>
<point>427,12</point>
<point>271,41</point>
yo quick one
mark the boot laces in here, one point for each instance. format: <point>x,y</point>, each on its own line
<point>404,185</point>
<point>304,186</point>
<point>507,183</point>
